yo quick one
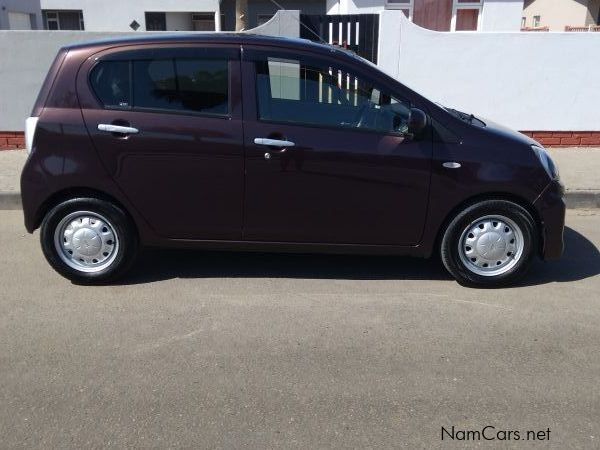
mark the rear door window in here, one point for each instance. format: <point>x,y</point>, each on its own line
<point>192,85</point>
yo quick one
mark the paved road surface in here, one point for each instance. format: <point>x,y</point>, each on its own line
<point>213,350</point>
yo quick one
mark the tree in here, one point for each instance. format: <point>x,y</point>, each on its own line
<point>241,15</point>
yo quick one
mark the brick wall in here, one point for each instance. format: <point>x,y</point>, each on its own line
<point>566,138</point>
<point>10,140</point>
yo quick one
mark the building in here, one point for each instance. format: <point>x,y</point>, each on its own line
<point>20,15</point>
<point>161,15</point>
<point>130,15</point>
<point>260,11</point>
<point>443,15</point>
<point>557,15</point>
<point>208,15</point>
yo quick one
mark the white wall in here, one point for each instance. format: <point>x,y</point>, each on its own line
<point>25,57</point>
<point>116,15</point>
<point>355,6</point>
<point>502,15</point>
<point>528,81</point>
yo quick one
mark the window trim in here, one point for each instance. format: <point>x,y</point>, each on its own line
<point>456,6</point>
<point>133,108</point>
<point>308,61</point>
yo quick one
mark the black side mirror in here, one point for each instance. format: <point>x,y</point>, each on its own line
<point>417,121</point>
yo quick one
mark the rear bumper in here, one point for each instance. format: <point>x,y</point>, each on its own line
<point>551,209</point>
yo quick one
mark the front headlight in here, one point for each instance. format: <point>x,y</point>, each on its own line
<point>546,161</point>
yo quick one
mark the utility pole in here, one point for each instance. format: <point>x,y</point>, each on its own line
<point>241,15</point>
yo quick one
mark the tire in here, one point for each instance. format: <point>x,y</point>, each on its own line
<point>88,240</point>
<point>489,244</point>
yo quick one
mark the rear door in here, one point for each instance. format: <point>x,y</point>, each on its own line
<point>327,155</point>
<point>166,122</point>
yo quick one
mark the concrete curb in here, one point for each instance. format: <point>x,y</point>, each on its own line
<point>574,199</point>
<point>10,200</point>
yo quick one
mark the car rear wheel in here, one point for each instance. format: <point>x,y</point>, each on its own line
<point>88,240</point>
<point>490,243</point>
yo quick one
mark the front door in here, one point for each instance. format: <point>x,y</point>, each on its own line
<point>328,159</point>
<point>177,149</point>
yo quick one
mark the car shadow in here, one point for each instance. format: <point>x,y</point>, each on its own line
<point>580,260</point>
<point>155,265</point>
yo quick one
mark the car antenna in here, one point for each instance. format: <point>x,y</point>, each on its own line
<point>322,41</point>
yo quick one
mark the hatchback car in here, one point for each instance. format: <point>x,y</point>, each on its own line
<point>242,142</point>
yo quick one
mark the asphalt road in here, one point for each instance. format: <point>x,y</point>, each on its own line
<point>211,350</point>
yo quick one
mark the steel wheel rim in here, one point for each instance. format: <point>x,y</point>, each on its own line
<point>491,245</point>
<point>86,241</point>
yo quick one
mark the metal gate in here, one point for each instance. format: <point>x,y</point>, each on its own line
<point>357,32</point>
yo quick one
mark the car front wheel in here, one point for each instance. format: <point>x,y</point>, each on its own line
<point>88,240</point>
<point>489,244</point>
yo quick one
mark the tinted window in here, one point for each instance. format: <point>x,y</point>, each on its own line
<point>203,85</point>
<point>290,91</point>
<point>154,84</point>
<point>181,84</point>
<point>110,81</point>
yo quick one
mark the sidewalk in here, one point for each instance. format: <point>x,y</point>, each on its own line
<point>579,170</point>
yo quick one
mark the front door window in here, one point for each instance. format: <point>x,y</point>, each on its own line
<point>290,91</point>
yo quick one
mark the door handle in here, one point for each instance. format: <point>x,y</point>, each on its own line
<point>109,128</point>
<point>273,142</point>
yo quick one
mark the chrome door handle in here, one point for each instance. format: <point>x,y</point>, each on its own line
<point>273,142</point>
<point>109,128</point>
<point>451,165</point>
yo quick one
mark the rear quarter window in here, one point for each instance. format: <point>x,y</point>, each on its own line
<point>110,81</point>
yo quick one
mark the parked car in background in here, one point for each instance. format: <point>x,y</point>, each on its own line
<point>241,142</point>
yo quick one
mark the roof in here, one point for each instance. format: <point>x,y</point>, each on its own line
<point>209,37</point>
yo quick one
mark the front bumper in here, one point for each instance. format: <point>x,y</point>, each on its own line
<point>551,208</point>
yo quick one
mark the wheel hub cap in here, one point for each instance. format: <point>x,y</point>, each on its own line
<point>491,245</point>
<point>86,241</point>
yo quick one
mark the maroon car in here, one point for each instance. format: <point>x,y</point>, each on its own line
<point>242,142</point>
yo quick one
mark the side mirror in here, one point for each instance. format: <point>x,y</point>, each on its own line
<point>417,121</point>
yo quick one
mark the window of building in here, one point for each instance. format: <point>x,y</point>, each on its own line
<point>180,84</point>
<point>292,92</point>
<point>63,20</point>
<point>523,22</point>
<point>19,21</point>
<point>537,20</point>
<point>156,21</point>
<point>406,6</point>
<point>203,21</point>
<point>466,15</point>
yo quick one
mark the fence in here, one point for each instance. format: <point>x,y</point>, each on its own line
<point>25,57</point>
<point>535,29</point>
<point>528,81</point>
<point>579,29</point>
<point>357,32</point>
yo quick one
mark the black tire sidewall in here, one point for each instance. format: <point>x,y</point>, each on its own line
<point>450,247</point>
<point>122,227</point>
